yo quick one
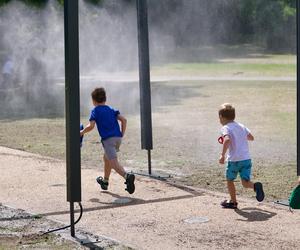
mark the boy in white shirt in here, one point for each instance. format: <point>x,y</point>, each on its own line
<point>235,140</point>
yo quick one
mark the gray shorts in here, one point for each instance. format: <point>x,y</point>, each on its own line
<point>111,147</point>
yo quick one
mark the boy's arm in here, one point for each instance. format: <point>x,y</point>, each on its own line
<point>226,144</point>
<point>88,128</point>
<point>123,121</point>
<point>250,137</point>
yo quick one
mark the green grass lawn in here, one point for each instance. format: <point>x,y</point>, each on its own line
<point>223,69</point>
<point>267,66</point>
<point>185,128</point>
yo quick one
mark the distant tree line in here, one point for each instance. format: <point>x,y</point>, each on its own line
<point>267,23</point>
<point>40,3</point>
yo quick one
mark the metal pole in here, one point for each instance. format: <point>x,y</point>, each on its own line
<point>72,219</point>
<point>144,74</point>
<point>149,162</point>
<point>298,87</point>
<point>72,105</point>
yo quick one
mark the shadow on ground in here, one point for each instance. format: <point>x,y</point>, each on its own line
<point>252,214</point>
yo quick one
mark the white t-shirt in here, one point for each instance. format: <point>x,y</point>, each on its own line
<point>239,148</point>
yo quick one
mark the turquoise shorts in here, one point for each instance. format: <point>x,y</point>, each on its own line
<point>241,167</point>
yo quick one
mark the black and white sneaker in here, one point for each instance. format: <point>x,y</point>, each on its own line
<point>258,188</point>
<point>102,183</point>
<point>229,204</point>
<point>130,187</point>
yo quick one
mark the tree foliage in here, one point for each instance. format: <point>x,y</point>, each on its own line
<point>36,3</point>
<point>270,23</point>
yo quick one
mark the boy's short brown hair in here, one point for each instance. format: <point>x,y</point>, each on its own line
<point>99,95</point>
<point>227,111</point>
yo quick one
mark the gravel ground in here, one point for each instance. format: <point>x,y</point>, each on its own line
<point>159,215</point>
<point>20,230</point>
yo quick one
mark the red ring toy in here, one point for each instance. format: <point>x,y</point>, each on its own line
<point>221,139</point>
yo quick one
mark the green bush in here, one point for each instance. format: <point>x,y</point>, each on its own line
<point>36,3</point>
<point>2,2</point>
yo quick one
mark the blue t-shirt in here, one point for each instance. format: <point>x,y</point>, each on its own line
<point>106,120</point>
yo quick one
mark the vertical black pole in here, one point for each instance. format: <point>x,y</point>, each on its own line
<point>149,162</point>
<point>144,73</point>
<point>298,87</point>
<point>72,219</point>
<point>72,106</point>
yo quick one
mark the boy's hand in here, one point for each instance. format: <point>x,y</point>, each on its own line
<point>250,137</point>
<point>222,159</point>
<point>81,133</point>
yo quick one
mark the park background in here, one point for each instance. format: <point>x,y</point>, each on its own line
<point>203,53</point>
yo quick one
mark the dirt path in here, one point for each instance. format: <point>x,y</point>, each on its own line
<point>156,216</point>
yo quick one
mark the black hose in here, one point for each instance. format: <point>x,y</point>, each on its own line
<point>62,228</point>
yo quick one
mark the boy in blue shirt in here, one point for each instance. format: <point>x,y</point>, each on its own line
<point>235,139</point>
<point>106,119</point>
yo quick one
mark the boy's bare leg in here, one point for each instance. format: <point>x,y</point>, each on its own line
<point>107,168</point>
<point>114,163</point>
<point>231,190</point>
<point>248,184</point>
<point>130,187</point>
